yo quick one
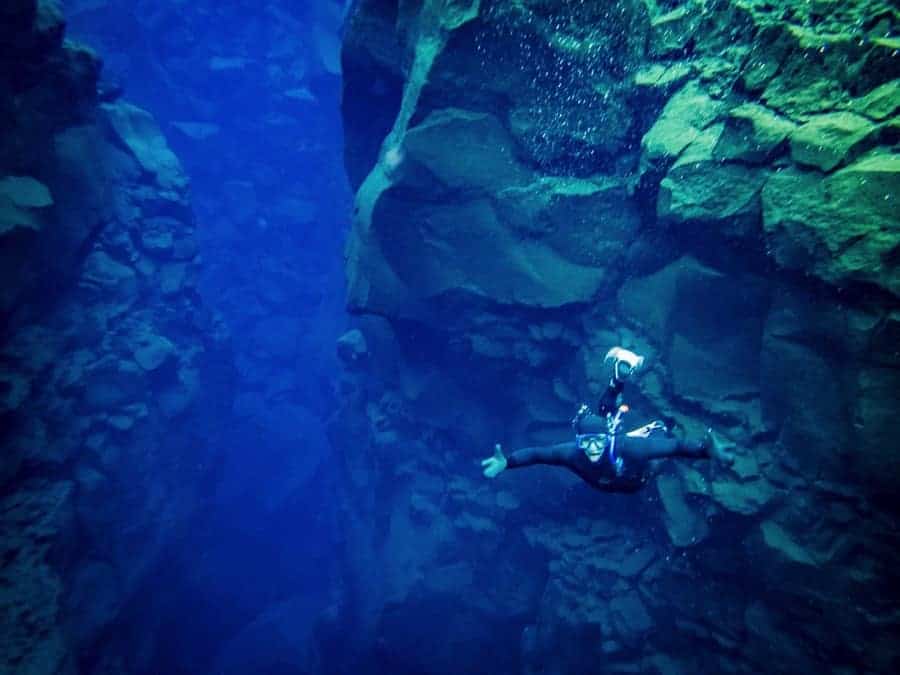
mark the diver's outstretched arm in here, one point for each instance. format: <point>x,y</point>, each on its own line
<point>557,455</point>
<point>659,447</point>
<point>625,363</point>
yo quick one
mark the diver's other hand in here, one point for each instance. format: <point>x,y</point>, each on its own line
<point>495,465</point>
<point>621,356</point>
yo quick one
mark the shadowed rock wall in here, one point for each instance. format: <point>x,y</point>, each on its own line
<point>105,350</point>
<point>712,184</point>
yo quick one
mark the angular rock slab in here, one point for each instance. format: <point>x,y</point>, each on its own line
<point>844,227</point>
<point>686,114</point>
<point>709,327</point>
<point>828,140</point>
<point>701,188</point>
<point>685,526</point>
<point>21,200</point>
<point>464,247</point>
<point>465,150</point>
<point>138,131</point>
<point>752,134</point>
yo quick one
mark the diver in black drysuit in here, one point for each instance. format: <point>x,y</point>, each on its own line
<point>603,457</point>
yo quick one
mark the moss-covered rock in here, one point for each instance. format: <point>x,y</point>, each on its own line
<point>670,32</point>
<point>881,103</point>
<point>829,140</point>
<point>734,339</point>
<point>662,79</point>
<point>77,182</point>
<point>686,114</point>
<point>842,227</point>
<point>752,134</point>
<point>699,187</point>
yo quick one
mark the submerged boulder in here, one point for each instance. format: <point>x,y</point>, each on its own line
<point>699,187</point>
<point>843,227</point>
<point>686,114</point>
<point>881,103</point>
<point>138,132</point>
<point>831,139</point>
<point>22,199</point>
<point>443,248</point>
<point>684,524</point>
<point>465,150</point>
<point>752,134</point>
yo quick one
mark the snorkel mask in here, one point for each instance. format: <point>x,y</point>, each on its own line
<point>593,445</point>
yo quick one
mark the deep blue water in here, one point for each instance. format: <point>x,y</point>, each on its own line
<point>272,207</point>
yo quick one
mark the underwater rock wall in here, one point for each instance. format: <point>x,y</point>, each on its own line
<point>106,347</point>
<point>712,184</point>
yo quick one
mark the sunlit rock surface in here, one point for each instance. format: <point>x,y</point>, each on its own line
<point>711,184</point>
<point>105,350</point>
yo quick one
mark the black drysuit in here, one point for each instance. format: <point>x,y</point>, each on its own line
<point>635,452</point>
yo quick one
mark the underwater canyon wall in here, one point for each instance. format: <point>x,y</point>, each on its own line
<point>106,347</point>
<point>247,93</point>
<point>712,184</point>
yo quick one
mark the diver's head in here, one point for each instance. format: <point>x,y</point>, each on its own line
<point>594,446</point>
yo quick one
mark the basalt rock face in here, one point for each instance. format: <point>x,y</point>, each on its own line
<point>710,184</point>
<point>105,349</point>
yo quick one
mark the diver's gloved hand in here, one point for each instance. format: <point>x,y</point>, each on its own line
<point>626,361</point>
<point>495,465</point>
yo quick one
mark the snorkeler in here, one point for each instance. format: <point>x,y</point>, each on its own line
<point>600,454</point>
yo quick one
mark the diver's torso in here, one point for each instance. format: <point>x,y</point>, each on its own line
<point>603,474</point>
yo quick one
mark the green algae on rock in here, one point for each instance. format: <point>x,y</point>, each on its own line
<point>700,187</point>
<point>752,134</point>
<point>881,103</point>
<point>826,141</point>
<point>686,114</point>
<point>842,227</point>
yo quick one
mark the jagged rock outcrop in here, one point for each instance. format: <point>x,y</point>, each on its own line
<point>105,348</point>
<point>712,184</point>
